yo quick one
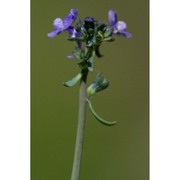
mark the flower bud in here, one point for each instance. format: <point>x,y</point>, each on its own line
<point>99,84</point>
<point>89,23</point>
<point>91,90</point>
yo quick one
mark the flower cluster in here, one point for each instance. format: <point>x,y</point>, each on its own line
<point>90,32</point>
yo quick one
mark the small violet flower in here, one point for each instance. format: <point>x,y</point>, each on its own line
<point>60,25</point>
<point>119,27</point>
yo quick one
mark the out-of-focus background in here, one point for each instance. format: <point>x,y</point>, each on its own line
<point>110,153</point>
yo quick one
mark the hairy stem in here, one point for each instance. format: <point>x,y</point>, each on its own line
<point>80,128</point>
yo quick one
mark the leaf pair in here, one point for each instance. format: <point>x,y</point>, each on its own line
<point>73,82</point>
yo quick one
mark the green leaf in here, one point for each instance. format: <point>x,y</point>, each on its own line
<point>77,53</point>
<point>73,81</point>
<point>90,63</point>
<point>108,39</point>
<point>101,120</point>
<point>108,32</point>
<point>101,27</point>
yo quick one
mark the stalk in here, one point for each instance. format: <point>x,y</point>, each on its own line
<point>80,128</point>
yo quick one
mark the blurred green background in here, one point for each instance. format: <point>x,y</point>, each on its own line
<point>120,152</point>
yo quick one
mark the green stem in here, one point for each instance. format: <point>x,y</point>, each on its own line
<point>80,127</point>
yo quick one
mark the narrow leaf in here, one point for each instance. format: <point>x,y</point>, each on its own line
<point>101,120</point>
<point>98,54</point>
<point>73,81</point>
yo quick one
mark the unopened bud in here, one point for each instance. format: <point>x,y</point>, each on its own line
<point>99,84</point>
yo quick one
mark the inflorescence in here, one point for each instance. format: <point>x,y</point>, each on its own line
<point>89,34</point>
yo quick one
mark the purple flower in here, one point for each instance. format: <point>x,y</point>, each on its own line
<point>60,25</point>
<point>119,27</point>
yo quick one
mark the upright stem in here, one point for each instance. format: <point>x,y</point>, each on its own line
<point>80,127</point>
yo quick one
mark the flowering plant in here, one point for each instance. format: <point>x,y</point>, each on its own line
<point>88,34</point>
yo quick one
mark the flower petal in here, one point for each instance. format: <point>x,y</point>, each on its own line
<point>120,29</point>
<point>51,34</point>
<point>58,24</point>
<point>70,18</point>
<point>112,17</point>
<point>54,33</point>
<point>72,31</point>
<point>121,26</point>
<point>125,34</point>
<point>70,56</point>
<point>58,27</point>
